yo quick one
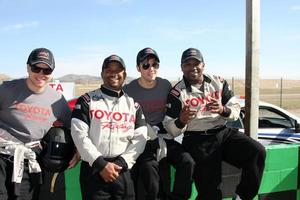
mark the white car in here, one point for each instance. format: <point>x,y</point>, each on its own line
<point>275,125</point>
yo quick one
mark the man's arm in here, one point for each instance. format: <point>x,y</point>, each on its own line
<point>79,129</point>
<point>172,121</point>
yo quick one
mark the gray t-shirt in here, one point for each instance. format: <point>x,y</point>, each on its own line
<point>27,115</point>
<point>153,100</point>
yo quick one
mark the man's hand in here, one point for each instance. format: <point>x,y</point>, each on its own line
<point>76,158</point>
<point>215,106</point>
<point>110,172</point>
<point>187,114</point>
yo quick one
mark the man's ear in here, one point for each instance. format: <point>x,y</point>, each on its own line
<point>125,74</point>
<point>138,68</point>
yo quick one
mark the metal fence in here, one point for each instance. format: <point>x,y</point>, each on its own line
<point>281,92</point>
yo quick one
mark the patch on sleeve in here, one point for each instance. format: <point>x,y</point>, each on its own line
<point>175,92</point>
<point>136,105</point>
<point>220,78</point>
<point>77,107</point>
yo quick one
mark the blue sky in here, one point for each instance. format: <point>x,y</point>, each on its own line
<point>82,33</point>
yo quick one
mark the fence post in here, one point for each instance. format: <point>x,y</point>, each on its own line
<point>232,84</point>
<point>280,103</point>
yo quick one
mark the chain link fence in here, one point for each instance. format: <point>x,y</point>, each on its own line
<point>281,92</point>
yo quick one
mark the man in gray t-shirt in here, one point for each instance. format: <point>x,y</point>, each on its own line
<point>151,93</point>
<point>28,108</point>
<point>152,100</point>
<point>28,115</point>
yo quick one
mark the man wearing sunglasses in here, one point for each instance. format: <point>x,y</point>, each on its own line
<point>28,108</point>
<point>151,93</point>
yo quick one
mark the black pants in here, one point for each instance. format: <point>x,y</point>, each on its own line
<point>26,190</point>
<point>93,187</point>
<point>233,147</point>
<point>147,168</point>
<point>59,189</point>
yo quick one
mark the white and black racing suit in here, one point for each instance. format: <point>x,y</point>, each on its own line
<point>107,126</point>
<point>209,140</point>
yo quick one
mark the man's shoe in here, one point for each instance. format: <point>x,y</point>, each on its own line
<point>236,197</point>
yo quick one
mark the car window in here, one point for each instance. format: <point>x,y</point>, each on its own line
<point>271,118</point>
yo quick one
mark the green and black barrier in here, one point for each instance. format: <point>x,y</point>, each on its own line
<point>280,181</point>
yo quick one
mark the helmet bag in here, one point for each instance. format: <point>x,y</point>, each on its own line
<point>57,149</point>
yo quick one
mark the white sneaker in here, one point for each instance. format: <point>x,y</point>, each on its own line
<point>236,197</point>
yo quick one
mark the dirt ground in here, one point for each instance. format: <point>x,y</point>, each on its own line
<point>295,112</point>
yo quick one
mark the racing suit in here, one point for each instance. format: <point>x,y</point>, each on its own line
<point>107,126</point>
<point>209,140</point>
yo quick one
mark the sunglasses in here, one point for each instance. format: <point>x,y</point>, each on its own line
<point>36,69</point>
<point>147,66</point>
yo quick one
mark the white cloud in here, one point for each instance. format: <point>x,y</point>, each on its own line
<point>295,7</point>
<point>20,26</point>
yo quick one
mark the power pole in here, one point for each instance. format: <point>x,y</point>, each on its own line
<point>252,67</point>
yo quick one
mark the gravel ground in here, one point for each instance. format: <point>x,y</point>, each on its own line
<point>295,112</point>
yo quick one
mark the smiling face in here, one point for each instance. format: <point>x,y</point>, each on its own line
<point>193,70</point>
<point>148,69</point>
<point>113,76</point>
<point>37,81</point>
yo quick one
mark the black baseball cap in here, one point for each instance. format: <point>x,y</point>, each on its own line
<point>41,55</point>
<point>144,53</point>
<point>191,53</point>
<point>113,58</point>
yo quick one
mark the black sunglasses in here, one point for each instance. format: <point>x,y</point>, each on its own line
<point>147,66</point>
<point>36,69</point>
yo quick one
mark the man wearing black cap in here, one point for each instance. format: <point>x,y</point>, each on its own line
<point>151,93</point>
<point>199,106</point>
<point>109,130</point>
<point>28,108</point>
